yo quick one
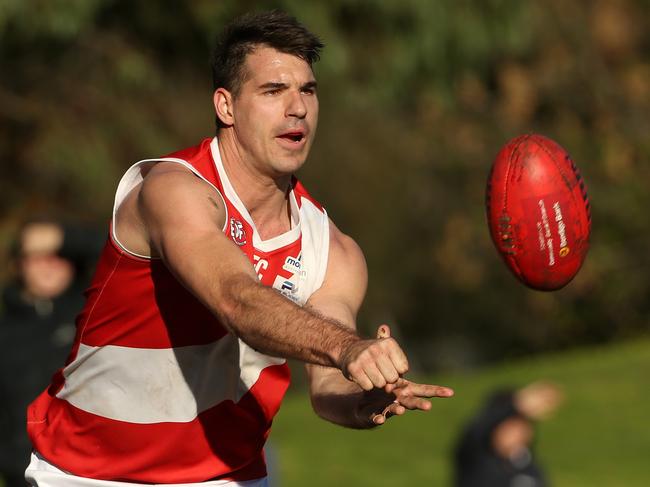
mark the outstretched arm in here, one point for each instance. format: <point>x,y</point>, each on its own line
<point>178,217</point>
<point>333,397</point>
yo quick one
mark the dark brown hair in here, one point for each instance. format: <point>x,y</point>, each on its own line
<point>240,37</point>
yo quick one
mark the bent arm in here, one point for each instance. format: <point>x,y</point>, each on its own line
<point>333,397</point>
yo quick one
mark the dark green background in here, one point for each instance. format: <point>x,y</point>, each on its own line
<point>417,97</point>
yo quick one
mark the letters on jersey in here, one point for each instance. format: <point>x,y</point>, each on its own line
<point>155,389</point>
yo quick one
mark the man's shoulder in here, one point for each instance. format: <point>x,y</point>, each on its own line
<point>191,153</point>
<point>344,247</point>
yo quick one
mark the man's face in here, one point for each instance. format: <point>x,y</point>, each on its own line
<point>275,112</point>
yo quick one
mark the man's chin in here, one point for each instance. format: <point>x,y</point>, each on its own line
<point>284,166</point>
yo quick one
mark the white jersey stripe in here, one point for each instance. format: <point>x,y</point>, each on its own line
<point>147,386</point>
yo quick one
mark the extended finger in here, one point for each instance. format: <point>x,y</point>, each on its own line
<point>424,390</point>
<point>414,402</point>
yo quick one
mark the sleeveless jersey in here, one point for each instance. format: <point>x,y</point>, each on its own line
<point>155,389</point>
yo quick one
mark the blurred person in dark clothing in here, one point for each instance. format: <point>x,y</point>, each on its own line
<point>52,265</point>
<point>495,448</point>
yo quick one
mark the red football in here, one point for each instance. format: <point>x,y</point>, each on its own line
<point>538,212</point>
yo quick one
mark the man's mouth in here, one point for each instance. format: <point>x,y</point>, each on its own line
<point>293,136</point>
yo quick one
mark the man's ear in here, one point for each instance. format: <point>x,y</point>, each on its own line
<point>222,99</point>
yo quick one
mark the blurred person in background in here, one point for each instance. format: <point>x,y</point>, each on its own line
<point>219,267</point>
<point>51,264</point>
<point>496,446</point>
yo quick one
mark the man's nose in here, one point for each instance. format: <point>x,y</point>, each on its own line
<point>296,106</point>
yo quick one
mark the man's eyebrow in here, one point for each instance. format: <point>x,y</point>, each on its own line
<point>273,85</point>
<point>276,85</point>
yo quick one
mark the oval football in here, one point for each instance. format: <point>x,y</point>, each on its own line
<point>538,212</point>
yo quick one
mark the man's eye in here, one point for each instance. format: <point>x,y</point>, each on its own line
<point>272,92</point>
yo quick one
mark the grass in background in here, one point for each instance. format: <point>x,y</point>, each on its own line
<point>600,436</point>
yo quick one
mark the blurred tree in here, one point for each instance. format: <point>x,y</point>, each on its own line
<point>416,99</point>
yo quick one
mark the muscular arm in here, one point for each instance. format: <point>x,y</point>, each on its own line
<point>333,397</point>
<point>179,218</point>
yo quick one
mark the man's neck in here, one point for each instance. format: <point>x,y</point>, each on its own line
<point>265,197</point>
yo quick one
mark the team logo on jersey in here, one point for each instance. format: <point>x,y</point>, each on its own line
<point>237,232</point>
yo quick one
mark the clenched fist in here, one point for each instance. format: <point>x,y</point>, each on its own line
<point>374,363</point>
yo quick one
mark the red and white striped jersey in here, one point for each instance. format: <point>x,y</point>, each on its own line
<point>155,389</point>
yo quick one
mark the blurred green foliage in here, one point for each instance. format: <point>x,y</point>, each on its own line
<point>416,99</point>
